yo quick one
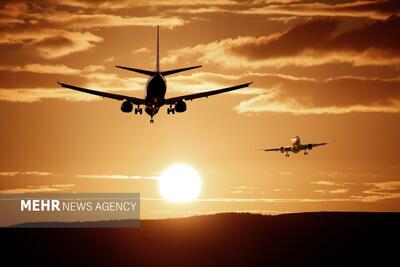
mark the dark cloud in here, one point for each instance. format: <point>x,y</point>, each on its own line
<point>330,96</point>
<point>382,36</point>
<point>378,41</point>
<point>295,41</point>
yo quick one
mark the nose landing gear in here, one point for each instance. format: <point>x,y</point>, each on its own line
<point>151,119</point>
<point>305,153</point>
<point>287,154</point>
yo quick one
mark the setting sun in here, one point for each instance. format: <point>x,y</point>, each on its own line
<point>180,183</point>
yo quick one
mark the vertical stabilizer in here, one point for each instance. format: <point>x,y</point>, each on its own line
<point>158,50</point>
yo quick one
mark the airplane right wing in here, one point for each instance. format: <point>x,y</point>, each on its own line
<point>174,100</point>
<point>286,148</point>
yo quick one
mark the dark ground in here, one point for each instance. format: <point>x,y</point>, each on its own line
<point>304,239</point>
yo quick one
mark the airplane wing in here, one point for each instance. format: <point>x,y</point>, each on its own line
<point>173,100</point>
<point>286,148</point>
<point>310,146</point>
<point>134,100</point>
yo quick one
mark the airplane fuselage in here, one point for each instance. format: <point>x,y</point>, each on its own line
<point>296,146</point>
<point>156,87</point>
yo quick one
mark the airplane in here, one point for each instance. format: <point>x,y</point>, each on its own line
<point>295,147</point>
<point>155,90</point>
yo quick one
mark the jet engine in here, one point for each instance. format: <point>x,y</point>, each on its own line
<point>282,149</point>
<point>309,146</point>
<point>180,107</point>
<point>126,107</point>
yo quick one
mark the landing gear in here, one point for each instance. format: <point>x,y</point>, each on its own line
<point>138,110</point>
<point>305,153</point>
<point>151,119</point>
<point>170,110</point>
<point>287,154</point>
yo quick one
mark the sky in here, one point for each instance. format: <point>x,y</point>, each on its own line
<point>323,70</point>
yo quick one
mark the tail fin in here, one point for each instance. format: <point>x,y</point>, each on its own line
<point>158,50</point>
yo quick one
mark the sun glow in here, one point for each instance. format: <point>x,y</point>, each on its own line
<point>180,183</point>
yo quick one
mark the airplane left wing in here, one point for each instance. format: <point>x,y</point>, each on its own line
<point>173,100</point>
<point>134,100</point>
<point>310,146</point>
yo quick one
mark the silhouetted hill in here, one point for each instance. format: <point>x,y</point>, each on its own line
<point>84,224</point>
<point>304,239</point>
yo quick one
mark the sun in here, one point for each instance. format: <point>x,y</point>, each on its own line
<point>180,183</point>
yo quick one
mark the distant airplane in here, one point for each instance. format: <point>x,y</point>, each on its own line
<point>295,147</point>
<point>156,88</point>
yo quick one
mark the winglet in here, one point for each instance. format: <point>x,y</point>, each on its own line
<point>60,83</point>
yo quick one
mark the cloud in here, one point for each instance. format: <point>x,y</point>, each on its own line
<point>109,59</point>
<point>126,4</point>
<point>334,191</point>
<point>328,183</point>
<point>14,9</point>
<point>381,191</point>
<point>95,80</point>
<point>265,200</point>
<point>275,200</point>
<point>93,68</point>
<point>141,50</point>
<point>54,32</point>
<point>363,192</point>
<point>201,10</point>
<point>30,95</point>
<point>270,103</point>
<point>243,189</point>
<point>315,42</point>
<point>64,43</point>
<point>282,189</point>
<point>377,9</point>
<point>40,68</point>
<point>67,20</point>
<point>39,189</point>
<point>114,176</point>
<point>290,9</point>
<point>310,96</point>
<point>18,173</point>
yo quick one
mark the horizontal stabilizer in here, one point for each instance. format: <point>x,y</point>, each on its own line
<point>145,72</point>
<point>168,72</point>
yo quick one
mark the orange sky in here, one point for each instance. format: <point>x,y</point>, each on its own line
<point>324,71</point>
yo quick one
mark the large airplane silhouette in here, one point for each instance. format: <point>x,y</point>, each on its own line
<point>156,88</point>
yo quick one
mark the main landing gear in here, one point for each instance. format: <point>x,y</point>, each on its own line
<point>305,153</point>
<point>287,154</point>
<point>170,110</point>
<point>138,110</point>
